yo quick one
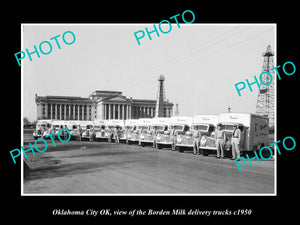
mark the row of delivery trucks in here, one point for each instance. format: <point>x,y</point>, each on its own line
<point>175,132</point>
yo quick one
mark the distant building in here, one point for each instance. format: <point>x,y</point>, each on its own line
<point>99,105</point>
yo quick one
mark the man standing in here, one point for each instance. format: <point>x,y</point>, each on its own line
<point>117,135</point>
<point>235,142</point>
<point>220,141</point>
<point>196,140</point>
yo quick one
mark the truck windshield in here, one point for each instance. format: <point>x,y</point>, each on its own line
<point>178,127</point>
<point>158,128</point>
<point>200,127</point>
<point>39,126</point>
<point>129,127</point>
<point>142,127</point>
<point>227,127</point>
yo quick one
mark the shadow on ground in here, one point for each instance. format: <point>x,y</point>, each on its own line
<point>64,170</point>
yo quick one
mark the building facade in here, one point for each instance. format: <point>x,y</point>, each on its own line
<point>99,105</point>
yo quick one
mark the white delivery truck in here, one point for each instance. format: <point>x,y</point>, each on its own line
<point>112,125</point>
<point>87,130</point>
<point>143,124</point>
<point>41,127</point>
<point>99,125</point>
<point>183,137</point>
<point>159,125</point>
<point>254,131</point>
<point>129,128</point>
<point>177,124</point>
<point>205,124</point>
<point>105,132</point>
<point>73,127</point>
<point>56,126</point>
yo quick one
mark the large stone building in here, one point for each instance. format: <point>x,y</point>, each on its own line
<point>99,105</point>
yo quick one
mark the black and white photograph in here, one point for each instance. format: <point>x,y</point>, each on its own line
<point>172,115</point>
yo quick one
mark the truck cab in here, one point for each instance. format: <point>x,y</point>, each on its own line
<point>159,125</point>
<point>178,125</point>
<point>87,130</point>
<point>103,134</point>
<point>129,128</point>
<point>56,126</point>
<point>142,126</point>
<point>73,127</point>
<point>113,125</point>
<point>183,137</point>
<point>42,128</point>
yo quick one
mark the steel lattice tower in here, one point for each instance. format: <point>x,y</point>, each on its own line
<point>176,110</point>
<point>161,97</point>
<point>266,97</point>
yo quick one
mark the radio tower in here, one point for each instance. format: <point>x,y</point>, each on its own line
<point>176,110</point>
<point>266,98</point>
<point>161,97</point>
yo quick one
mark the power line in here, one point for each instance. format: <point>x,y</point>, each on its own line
<point>222,49</point>
<point>196,51</point>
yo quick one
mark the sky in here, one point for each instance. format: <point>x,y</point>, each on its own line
<point>201,63</point>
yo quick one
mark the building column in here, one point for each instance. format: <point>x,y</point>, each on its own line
<point>69,106</point>
<point>51,116</point>
<point>60,111</point>
<point>119,111</point>
<point>87,112</point>
<point>65,112</point>
<point>103,111</point>
<point>78,112</point>
<point>114,111</point>
<point>74,106</point>
<point>55,113</point>
<point>123,112</point>
<point>46,111</point>
<point>129,112</point>
<point>82,112</point>
<point>109,111</point>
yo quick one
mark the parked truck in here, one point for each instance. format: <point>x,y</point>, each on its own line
<point>159,125</point>
<point>87,130</point>
<point>73,127</point>
<point>113,125</point>
<point>42,127</point>
<point>183,137</point>
<point>98,125</point>
<point>254,132</point>
<point>143,124</point>
<point>128,130</point>
<point>204,124</point>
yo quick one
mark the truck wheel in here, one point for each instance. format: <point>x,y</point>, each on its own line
<point>142,144</point>
<point>129,142</point>
<point>205,152</point>
<point>180,149</point>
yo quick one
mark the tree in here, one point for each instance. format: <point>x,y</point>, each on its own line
<point>26,121</point>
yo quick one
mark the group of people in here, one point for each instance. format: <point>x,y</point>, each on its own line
<point>220,141</point>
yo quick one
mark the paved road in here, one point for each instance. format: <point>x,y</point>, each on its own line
<point>107,168</point>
